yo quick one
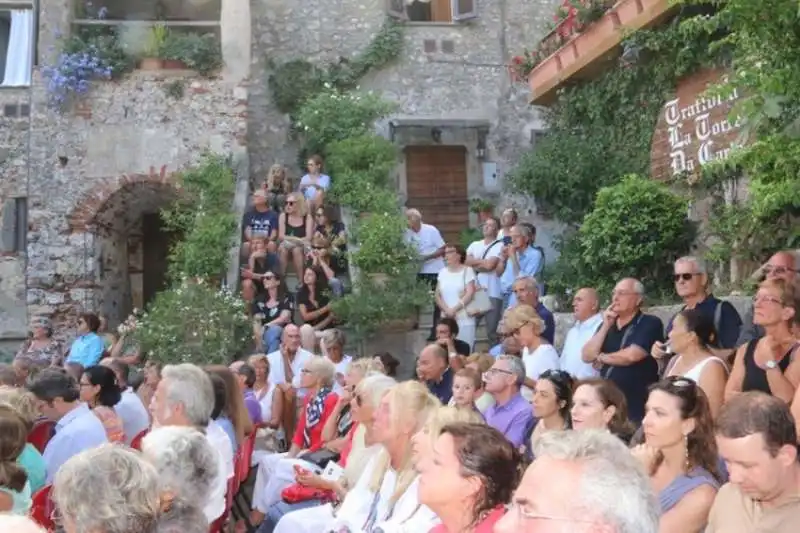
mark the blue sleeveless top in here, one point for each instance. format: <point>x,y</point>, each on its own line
<point>682,485</point>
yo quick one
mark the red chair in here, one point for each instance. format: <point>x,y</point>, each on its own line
<point>40,434</point>
<point>218,525</point>
<point>136,442</point>
<point>243,463</point>
<point>42,508</point>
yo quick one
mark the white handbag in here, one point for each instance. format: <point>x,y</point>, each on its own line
<point>480,304</point>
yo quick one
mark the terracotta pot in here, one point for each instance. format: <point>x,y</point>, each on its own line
<point>174,64</point>
<point>150,63</point>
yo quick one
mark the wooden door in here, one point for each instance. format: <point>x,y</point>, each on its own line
<point>437,185</point>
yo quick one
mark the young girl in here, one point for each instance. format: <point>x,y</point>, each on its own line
<point>467,387</point>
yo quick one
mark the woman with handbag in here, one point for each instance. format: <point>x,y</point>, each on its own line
<point>312,489</point>
<point>455,289</point>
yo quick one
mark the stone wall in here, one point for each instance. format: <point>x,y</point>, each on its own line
<point>97,169</point>
<point>451,73</point>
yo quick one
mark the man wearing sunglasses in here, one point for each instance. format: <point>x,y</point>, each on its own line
<point>691,284</point>
<point>782,265</point>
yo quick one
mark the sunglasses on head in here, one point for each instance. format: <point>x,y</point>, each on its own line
<point>269,277</point>
<point>685,276</point>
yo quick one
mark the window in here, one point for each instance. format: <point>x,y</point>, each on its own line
<point>432,10</point>
<point>17,42</point>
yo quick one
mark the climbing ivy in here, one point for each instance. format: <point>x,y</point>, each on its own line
<point>601,130</point>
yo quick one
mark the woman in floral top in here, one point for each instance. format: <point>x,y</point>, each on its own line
<point>100,390</point>
<point>40,347</point>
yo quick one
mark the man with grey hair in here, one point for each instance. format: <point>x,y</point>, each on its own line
<point>429,244</point>
<point>621,347</point>
<point>511,414</point>
<point>187,464</point>
<point>593,485</point>
<point>692,285</point>
<point>518,259</point>
<point>185,397</point>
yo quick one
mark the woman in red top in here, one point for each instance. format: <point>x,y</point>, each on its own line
<point>469,478</point>
<point>316,378</point>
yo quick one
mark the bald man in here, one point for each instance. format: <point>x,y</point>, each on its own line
<point>586,310</point>
<point>783,266</point>
<point>433,368</point>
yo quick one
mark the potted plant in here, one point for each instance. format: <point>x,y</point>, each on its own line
<point>482,207</point>
<point>201,53</point>
<point>151,55</point>
<point>173,52</point>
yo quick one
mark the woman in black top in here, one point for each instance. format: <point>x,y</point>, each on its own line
<point>313,302</point>
<point>334,232</point>
<point>273,309</point>
<point>295,229</point>
<point>770,364</point>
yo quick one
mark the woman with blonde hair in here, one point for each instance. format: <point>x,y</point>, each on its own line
<point>277,186</point>
<point>24,403</point>
<point>524,324</point>
<point>295,228</point>
<point>271,403</point>
<point>385,495</point>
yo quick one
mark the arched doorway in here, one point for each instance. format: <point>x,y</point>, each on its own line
<point>128,254</point>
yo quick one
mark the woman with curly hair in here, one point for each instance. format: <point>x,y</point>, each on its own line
<point>680,454</point>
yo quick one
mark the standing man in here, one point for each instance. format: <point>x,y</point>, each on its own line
<point>429,244</point>
<point>621,347</point>
<point>484,256</point>
<point>782,265</point>
<point>586,309</point>
<point>517,259</point>
<point>526,291</point>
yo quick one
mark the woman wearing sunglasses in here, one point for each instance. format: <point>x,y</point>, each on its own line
<point>680,454</point>
<point>272,310</point>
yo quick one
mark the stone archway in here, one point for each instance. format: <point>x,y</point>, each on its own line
<point>130,244</point>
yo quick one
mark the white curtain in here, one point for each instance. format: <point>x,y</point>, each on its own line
<point>19,57</point>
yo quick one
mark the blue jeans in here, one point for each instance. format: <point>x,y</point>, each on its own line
<point>277,511</point>
<point>271,338</point>
<point>337,288</point>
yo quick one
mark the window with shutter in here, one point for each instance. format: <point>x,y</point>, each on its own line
<point>464,9</point>
<point>432,10</point>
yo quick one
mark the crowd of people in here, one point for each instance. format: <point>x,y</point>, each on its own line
<point>630,427</point>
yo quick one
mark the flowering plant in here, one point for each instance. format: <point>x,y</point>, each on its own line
<point>192,322</point>
<point>522,65</point>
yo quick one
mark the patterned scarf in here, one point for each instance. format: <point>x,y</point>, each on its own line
<point>314,410</point>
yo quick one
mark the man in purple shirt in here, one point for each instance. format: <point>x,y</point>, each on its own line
<point>511,414</point>
<point>246,376</point>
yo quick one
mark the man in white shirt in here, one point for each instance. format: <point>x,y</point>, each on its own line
<point>332,345</point>
<point>285,366</point>
<point>130,408</point>
<point>185,397</point>
<point>586,308</point>
<point>483,257</point>
<point>77,428</point>
<point>429,244</point>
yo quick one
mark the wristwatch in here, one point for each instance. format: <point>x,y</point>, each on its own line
<point>771,364</point>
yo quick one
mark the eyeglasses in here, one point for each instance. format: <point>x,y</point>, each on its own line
<point>290,202</point>
<point>763,298</point>
<point>778,270</point>
<point>522,514</point>
<point>685,276</point>
<point>492,371</point>
<point>359,400</point>
<point>305,371</point>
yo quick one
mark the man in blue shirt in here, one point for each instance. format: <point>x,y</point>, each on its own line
<point>77,428</point>
<point>517,260</point>
<point>526,291</point>
<point>88,346</point>
<point>433,368</point>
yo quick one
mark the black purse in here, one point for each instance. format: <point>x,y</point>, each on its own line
<point>321,457</point>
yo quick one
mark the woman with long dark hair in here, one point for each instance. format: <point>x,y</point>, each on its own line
<point>680,454</point>
<point>552,401</point>
<point>313,302</point>
<point>600,404</point>
<point>100,390</point>
<point>233,408</point>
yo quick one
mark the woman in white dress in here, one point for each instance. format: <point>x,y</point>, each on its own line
<point>455,289</point>
<point>385,495</point>
<point>270,434</point>
<point>524,324</point>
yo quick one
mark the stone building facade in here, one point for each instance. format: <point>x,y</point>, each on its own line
<point>80,190</point>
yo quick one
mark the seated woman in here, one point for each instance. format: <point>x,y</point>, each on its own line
<point>691,337</point>
<point>599,404</point>
<point>186,462</point>
<point>277,187</point>
<point>552,401</point>
<point>152,376</point>
<point>24,403</point>
<point>472,479</point>
<point>41,347</point>
<point>101,392</point>
<point>315,184</point>
<point>272,310</point>
<point>88,347</point>
<point>335,233</point>
<point>129,501</point>
<point>447,337</point>
<point>313,302</point>
<point>386,363</point>
<point>316,377</point>
<point>295,229</point>
<point>680,454</point>
<point>259,264</point>
<point>270,435</point>
<point>233,416</point>
<point>15,489</point>
<point>320,258</point>
<point>385,495</point>
<point>357,452</point>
